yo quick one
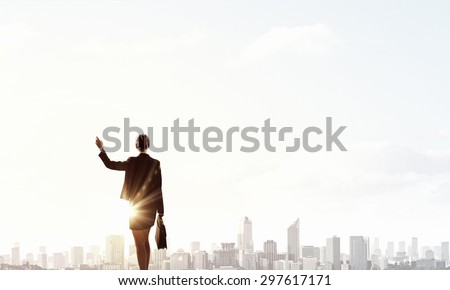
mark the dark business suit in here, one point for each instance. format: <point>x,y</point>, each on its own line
<point>142,187</point>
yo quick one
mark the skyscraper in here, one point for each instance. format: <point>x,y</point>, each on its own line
<point>158,257</point>
<point>293,240</point>
<point>180,260</point>
<point>42,257</point>
<point>115,250</point>
<point>77,256</point>
<point>376,250</point>
<point>402,247</point>
<point>245,236</point>
<point>15,255</point>
<point>227,256</point>
<point>358,253</point>
<point>59,261</point>
<point>5,259</point>
<point>270,251</point>
<point>200,260</point>
<point>437,252</point>
<point>445,253</point>
<point>323,256</point>
<point>414,249</point>
<point>376,244</point>
<point>390,253</point>
<point>93,257</point>
<point>333,252</point>
<point>195,246</point>
<point>248,261</point>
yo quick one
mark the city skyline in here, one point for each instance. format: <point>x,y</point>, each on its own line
<point>345,239</point>
<point>330,255</point>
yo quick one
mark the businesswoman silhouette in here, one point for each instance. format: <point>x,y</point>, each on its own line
<point>142,188</point>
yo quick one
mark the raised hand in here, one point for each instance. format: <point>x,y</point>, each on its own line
<point>99,143</point>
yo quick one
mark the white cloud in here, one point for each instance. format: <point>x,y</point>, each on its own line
<point>316,39</point>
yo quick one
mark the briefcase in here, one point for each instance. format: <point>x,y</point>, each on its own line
<point>160,235</point>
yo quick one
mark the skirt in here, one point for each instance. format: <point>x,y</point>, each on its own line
<point>142,218</point>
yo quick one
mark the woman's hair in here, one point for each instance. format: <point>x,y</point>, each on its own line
<point>142,142</point>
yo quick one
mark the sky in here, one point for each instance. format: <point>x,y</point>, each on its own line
<point>70,69</point>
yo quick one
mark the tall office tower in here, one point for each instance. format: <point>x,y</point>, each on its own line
<point>245,236</point>
<point>42,257</point>
<point>195,246</point>
<point>67,257</point>
<point>333,252</point>
<point>115,250</point>
<point>429,255</point>
<point>270,250</point>
<point>415,248</point>
<point>358,253</point>
<point>437,252</point>
<point>42,260</point>
<point>5,259</point>
<point>227,256</point>
<point>200,260</point>
<point>293,241</point>
<point>376,244</point>
<point>402,247</point>
<point>323,256</point>
<point>445,253</point>
<point>390,253</point>
<point>93,257</point>
<point>248,261</point>
<point>159,256</point>
<point>384,263</point>
<point>58,261</point>
<point>15,255</point>
<point>180,260</point>
<point>375,261</point>
<point>376,247</point>
<point>77,256</point>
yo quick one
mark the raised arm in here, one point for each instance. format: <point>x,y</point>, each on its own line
<point>114,165</point>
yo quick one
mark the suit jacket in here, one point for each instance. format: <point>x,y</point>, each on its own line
<point>142,185</point>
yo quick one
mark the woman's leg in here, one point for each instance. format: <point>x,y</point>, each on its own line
<point>147,248</point>
<point>142,247</point>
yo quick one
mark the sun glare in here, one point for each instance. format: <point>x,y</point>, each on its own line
<point>131,211</point>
